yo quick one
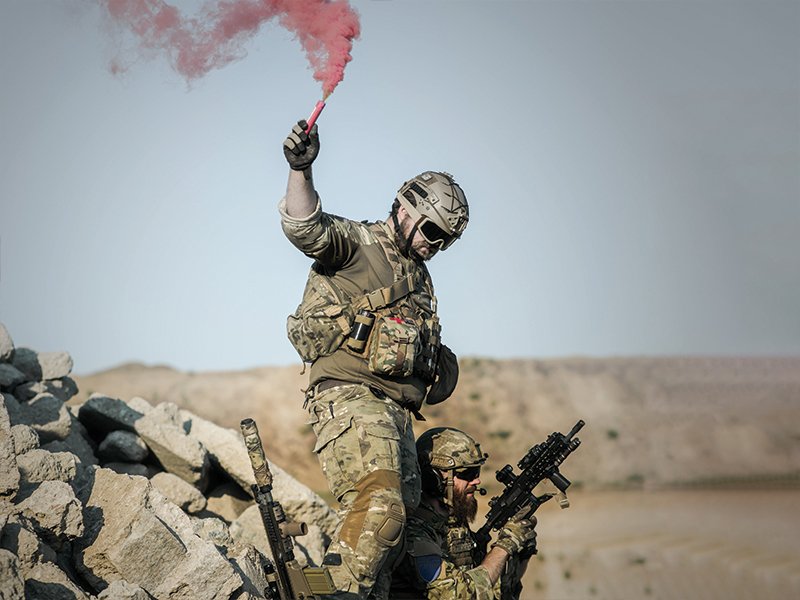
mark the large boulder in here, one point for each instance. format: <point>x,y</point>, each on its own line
<point>181,493</point>
<point>48,416</point>
<point>39,465</point>
<point>177,452</point>
<point>123,446</point>
<point>150,541</point>
<point>55,512</point>
<point>40,366</point>
<point>228,452</point>
<point>103,414</point>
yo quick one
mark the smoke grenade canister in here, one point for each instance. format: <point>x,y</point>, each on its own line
<point>362,327</point>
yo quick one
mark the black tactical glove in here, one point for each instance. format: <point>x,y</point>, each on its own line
<point>301,148</point>
<point>518,535</point>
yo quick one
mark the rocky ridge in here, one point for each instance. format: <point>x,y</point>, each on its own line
<point>128,500</point>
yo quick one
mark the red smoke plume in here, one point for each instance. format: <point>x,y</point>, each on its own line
<point>214,38</point>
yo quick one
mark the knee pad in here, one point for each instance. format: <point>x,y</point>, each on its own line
<point>390,530</point>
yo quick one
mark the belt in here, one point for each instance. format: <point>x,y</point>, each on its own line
<point>327,384</point>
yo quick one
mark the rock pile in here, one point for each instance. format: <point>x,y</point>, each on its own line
<point>115,499</point>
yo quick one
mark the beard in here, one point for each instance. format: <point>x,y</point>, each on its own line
<point>465,508</point>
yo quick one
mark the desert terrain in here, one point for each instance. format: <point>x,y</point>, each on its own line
<point>686,485</point>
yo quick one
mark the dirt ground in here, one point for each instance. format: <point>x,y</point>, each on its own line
<point>669,545</point>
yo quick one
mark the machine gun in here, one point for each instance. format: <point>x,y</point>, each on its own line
<point>287,579</point>
<point>540,463</point>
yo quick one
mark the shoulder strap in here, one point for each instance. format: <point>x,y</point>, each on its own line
<point>403,283</point>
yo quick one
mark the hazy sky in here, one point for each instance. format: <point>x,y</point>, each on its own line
<point>633,172</point>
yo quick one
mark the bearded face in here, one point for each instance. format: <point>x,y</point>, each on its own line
<point>465,506</point>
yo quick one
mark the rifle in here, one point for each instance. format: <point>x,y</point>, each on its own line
<point>541,462</point>
<point>287,579</point>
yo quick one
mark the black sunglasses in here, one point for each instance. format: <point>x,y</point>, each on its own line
<point>468,473</point>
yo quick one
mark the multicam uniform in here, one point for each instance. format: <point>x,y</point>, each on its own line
<point>362,419</point>
<point>427,571</point>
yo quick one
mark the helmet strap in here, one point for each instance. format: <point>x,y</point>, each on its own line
<point>405,249</point>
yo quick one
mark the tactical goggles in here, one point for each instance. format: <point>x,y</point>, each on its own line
<point>435,235</point>
<point>468,473</point>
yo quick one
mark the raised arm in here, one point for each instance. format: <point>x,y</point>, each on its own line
<point>300,149</point>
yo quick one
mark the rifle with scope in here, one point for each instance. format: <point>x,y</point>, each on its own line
<point>539,463</point>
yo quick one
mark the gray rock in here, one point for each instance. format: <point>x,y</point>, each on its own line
<point>123,590</point>
<point>149,541</point>
<point>39,366</point>
<point>19,537</point>
<point>250,565</point>
<point>178,453</point>
<point>228,501</point>
<point>48,416</point>
<point>77,442</point>
<point>183,494</point>
<point>6,344</point>
<point>213,530</point>
<point>228,453</point>
<point>129,469</point>
<point>102,414</point>
<point>55,512</point>
<point>25,438</point>
<point>166,413</point>
<point>40,465</point>
<point>249,529</point>
<point>140,404</point>
<point>55,365</point>
<point>13,586</point>
<point>122,446</point>
<point>46,581</point>
<point>27,361</point>
<point>9,475</point>
<point>10,376</point>
<point>63,389</point>
<point>13,407</point>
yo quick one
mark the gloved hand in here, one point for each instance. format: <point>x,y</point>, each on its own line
<point>301,148</point>
<point>518,535</point>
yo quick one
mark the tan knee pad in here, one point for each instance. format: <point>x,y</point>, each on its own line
<point>384,484</point>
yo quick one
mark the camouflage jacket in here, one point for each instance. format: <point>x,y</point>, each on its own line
<point>426,571</point>
<point>348,253</point>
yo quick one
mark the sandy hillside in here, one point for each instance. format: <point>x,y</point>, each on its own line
<point>686,485</point>
<point>651,422</point>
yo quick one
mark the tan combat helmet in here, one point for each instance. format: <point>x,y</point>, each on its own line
<point>444,449</point>
<point>448,448</point>
<point>438,206</point>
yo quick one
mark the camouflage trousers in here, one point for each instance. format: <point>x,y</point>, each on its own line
<point>366,448</point>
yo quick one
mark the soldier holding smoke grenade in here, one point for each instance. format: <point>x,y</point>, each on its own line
<point>367,324</point>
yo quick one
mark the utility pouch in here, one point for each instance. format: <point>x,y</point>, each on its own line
<point>321,323</point>
<point>393,347</point>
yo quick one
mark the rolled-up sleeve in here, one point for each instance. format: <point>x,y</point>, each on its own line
<point>326,238</point>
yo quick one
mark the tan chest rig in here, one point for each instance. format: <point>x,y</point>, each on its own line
<point>394,328</point>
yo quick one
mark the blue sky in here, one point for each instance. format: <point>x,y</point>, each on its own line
<point>633,171</point>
